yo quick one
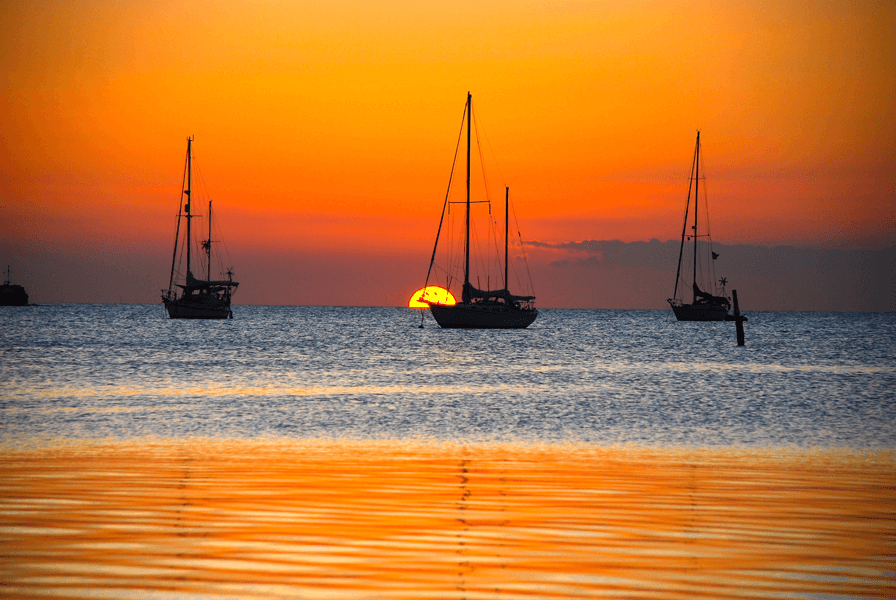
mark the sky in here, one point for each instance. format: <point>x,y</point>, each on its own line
<point>325,131</point>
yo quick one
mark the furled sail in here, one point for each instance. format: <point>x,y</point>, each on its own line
<point>471,292</point>
<point>708,298</point>
<point>192,282</point>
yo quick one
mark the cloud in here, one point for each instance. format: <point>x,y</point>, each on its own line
<point>768,278</point>
<point>575,274</point>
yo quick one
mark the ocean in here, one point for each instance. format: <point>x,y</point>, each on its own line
<point>346,452</point>
<point>608,377</point>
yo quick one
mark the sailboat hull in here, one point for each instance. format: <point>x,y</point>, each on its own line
<point>481,316</point>
<point>13,295</point>
<point>699,312</point>
<point>190,310</point>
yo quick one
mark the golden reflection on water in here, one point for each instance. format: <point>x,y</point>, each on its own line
<point>340,519</point>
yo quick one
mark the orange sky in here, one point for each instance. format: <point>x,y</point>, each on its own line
<point>330,126</point>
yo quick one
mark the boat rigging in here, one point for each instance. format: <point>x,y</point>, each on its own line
<point>705,306</point>
<point>200,298</point>
<point>478,308</point>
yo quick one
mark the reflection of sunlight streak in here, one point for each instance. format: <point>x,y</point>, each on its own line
<point>337,517</point>
<point>459,367</point>
<point>433,293</point>
<point>207,392</point>
<point>213,389</point>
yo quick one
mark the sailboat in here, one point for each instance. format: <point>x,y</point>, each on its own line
<point>704,305</point>
<point>199,298</point>
<point>12,294</point>
<point>481,309</point>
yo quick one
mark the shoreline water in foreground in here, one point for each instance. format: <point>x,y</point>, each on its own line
<point>351,519</point>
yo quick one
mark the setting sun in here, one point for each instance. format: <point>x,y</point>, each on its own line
<point>433,293</point>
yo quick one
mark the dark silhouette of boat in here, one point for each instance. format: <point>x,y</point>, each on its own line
<point>199,298</point>
<point>481,309</point>
<point>704,306</point>
<point>12,294</point>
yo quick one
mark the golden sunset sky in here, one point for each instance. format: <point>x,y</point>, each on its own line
<point>326,129</point>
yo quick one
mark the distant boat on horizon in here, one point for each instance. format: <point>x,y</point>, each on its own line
<point>12,294</point>
<point>480,309</point>
<point>200,298</point>
<point>704,306</point>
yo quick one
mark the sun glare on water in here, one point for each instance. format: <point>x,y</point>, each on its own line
<point>433,293</point>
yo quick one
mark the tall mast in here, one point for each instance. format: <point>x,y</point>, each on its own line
<point>696,198</point>
<point>177,230</point>
<point>506,225</point>
<point>684,226</point>
<point>467,243</point>
<point>208,244</point>
<point>189,198</point>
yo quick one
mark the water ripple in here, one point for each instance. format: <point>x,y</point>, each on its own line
<point>282,519</point>
<point>591,376</point>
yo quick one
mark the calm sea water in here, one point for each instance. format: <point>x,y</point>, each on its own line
<point>606,377</point>
<point>313,452</point>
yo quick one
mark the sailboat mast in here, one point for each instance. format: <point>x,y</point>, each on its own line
<point>684,226</point>
<point>467,241</point>
<point>208,244</point>
<point>189,197</point>
<point>177,229</point>
<point>506,226</point>
<point>696,198</point>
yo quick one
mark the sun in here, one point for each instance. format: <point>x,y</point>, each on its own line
<point>433,293</point>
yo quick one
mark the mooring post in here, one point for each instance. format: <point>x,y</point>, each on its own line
<point>738,320</point>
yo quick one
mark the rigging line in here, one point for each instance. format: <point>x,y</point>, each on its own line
<point>706,256</point>
<point>522,248</point>
<point>455,258</point>
<point>488,196</point>
<point>511,265</point>
<point>438,269</point>
<point>705,199</point>
<point>215,228</point>
<point>458,251</point>
<point>485,183</point>
<point>226,250</point>
<point>516,273</point>
<point>479,251</point>
<point>450,252</point>
<point>202,183</point>
<point>492,235</point>
<point>198,196</point>
<point>450,178</point>
<point>492,150</point>
<point>712,263</point>
<point>684,227</point>
<point>180,210</point>
<point>497,249</point>
<point>449,247</point>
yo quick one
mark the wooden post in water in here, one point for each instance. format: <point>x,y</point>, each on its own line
<point>738,320</point>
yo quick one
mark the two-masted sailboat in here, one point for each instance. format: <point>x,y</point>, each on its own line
<point>480,309</point>
<point>704,305</point>
<point>199,298</point>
